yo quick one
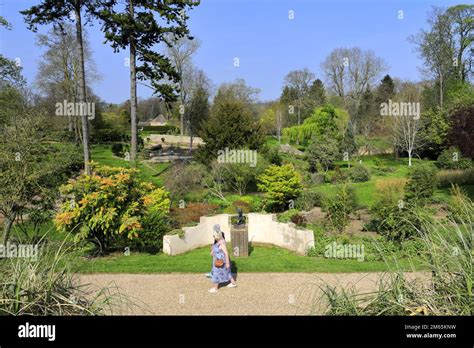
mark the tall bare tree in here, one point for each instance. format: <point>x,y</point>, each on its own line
<point>55,12</point>
<point>57,72</point>
<point>180,51</point>
<point>350,72</point>
<point>300,81</point>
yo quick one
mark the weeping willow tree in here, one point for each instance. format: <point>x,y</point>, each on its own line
<point>324,120</point>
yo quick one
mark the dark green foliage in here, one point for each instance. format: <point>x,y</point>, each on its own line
<point>359,173</point>
<point>272,156</point>
<point>144,31</point>
<point>461,134</point>
<point>451,159</point>
<point>399,221</point>
<point>230,125</point>
<point>386,90</point>
<point>117,149</point>
<point>348,144</point>
<point>324,150</point>
<point>165,129</point>
<point>308,200</point>
<point>107,135</point>
<point>422,182</point>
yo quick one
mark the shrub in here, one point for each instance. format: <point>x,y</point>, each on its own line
<point>117,149</point>
<point>191,213</point>
<point>108,135</point>
<point>273,156</point>
<point>165,129</point>
<point>338,176</point>
<point>308,200</point>
<point>183,178</point>
<point>294,216</point>
<point>451,159</point>
<point>383,170</point>
<point>392,217</point>
<point>279,184</point>
<point>109,204</point>
<point>339,206</point>
<point>359,173</point>
<point>421,184</point>
<point>398,222</point>
<point>446,178</point>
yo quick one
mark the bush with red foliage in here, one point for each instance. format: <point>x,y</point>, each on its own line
<point>191,213</point>
<point>461,134</point>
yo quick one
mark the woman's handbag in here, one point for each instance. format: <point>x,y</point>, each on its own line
<point>219,263</point>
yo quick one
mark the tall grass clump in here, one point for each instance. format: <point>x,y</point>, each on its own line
<point>445,288</point>
<point>45,285</point>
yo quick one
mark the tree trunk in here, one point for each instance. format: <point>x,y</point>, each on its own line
<point>441,91</point>
<point>82,89</point>
<point>133,94</point>
<point>7,226</point>
<point>409,158</point>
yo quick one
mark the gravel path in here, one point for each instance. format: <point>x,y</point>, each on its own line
<point>256,293</point>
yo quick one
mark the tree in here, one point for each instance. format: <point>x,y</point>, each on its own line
<point>317,94</point>
<point>350,72</point>
<point>287,99</point>
<point>180,51</point>
<point>299,81</point>
<point>139,29</point>
<point>271,120</point>
<point>436,48</point>
<point>324,120</point>
<point>55,12</point>
<point>462,130</point>
<point>31,168</point>
<point>12,83</point>
<point>323,151</point>
<point>405,131</point>
<point>280,184</point>
<point>385,90</point>
<point>57,74</point>
<point>230,125</point>
<point>462,24</point>
<point>198,112</point>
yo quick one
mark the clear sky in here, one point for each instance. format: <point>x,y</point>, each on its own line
<point>260,34</point>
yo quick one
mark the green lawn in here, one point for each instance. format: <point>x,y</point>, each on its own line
<point>102,154</point>
<point>261,259</point>
<point>365,190</point>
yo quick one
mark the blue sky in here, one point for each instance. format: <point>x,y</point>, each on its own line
<point>258,32</point>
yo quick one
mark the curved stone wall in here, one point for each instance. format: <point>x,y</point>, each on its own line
<point>262,228</point>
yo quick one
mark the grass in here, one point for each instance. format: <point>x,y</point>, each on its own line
<point>365,190</point>
<point>102,154</point>
<point>261,259</point>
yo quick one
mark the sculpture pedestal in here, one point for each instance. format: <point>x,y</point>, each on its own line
<point>240,240</point>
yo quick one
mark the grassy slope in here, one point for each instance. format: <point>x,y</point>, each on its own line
<point>148,172</point>
<point>261,259</point>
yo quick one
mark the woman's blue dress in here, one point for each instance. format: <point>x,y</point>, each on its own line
<point>220,274</point>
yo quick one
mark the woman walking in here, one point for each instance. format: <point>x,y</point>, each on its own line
<point>221,270</point>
